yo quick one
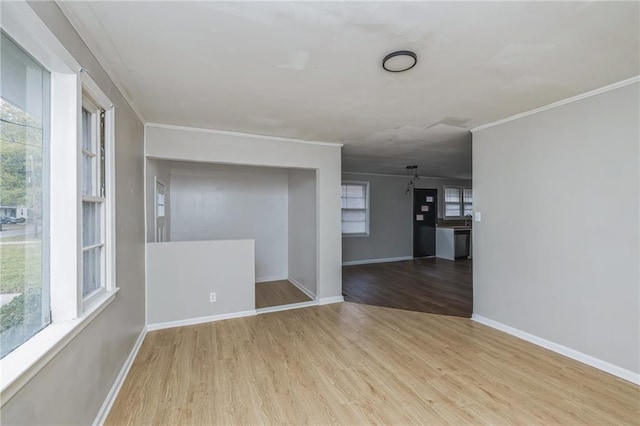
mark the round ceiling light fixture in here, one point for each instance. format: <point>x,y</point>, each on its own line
<point>400,60</point>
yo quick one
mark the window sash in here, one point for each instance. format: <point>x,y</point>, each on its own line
<point>27,88</point>
<point>94,226</point>
<point>355,209</point>
<point>458,202</point>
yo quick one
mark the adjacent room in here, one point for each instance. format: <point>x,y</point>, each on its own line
<point>410,245</point>
<point>309,212</point>
<point>199,202</point>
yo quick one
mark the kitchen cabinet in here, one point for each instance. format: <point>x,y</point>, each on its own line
<point>453,242</point>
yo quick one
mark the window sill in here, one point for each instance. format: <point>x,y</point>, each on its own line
<point>21,365</point>
<point>355,235</point>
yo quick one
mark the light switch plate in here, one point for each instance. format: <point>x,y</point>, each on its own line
<point>478,216</point>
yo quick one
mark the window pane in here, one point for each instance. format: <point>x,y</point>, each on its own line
<point>468,209</point>
<point>87,143</point>
<point>355,203</point>
<point>91,224</point>
<point>354,215</point>
<point>343,203</point>
<point>24,105</point>
<point>452,195</point>
<point>354,227</point>
<point>355,191</point>
<point>91,271</point>
<point>452,210</point>
<point>87,174</point>
<point>468,195</point>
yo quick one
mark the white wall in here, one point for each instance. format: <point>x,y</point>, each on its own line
<point>556,254</point>
<point>223,202</point>
<point>390,217</point>
<point>302,228</point>
<point>174,143</point>
<point>160,170</point>
<point>181,276</point>
<point>73,386</point>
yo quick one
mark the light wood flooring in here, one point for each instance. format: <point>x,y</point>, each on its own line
<point>277,293</point>
<point>433,285</point>
<point>354,364</point>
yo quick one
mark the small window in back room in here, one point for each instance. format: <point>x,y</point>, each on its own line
<point>355,208</point>
<point>458,202</point>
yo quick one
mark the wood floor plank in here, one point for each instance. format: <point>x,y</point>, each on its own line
<point>431,285</point>
<point>358,364</point>
<point>278,293</point>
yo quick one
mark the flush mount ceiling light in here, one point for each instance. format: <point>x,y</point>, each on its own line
<point>400,60</point>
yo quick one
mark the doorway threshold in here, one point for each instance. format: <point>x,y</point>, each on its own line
<point>286,307</point>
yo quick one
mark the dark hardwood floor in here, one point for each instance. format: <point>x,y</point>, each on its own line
<point>433,285</point>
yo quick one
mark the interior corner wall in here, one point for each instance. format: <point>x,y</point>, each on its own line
<point>72,387</point>
<point>390,216</point>
<point>160,170</point>
<point>185,144</point>
<point>302,228</point>
<point>231,202</point>
<point>556,254</point>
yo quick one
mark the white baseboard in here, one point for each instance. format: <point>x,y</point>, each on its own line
<point>199,320</point>
<point>122,375</point>
<point>302,288</point>
<point>286,307</point>
<point>269,279</point>
<point>329,300</point>
<point>562,350</point>
<point>385,260</point>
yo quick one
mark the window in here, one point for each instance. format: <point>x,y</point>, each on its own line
<point>56,197</point>
<point>24,148</point>
<point>56,235</point>
<point>93,198</point>
<point>160,212</point>
<point>467,199</point>
<point>355,208</point>
<point>458,202</point>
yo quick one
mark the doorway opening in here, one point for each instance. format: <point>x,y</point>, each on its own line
<point>416,252</point>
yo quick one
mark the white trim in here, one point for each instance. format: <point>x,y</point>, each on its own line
<point>122,375</point>
<point>330,300</point>
<point>102,62</point>
<point>199,320</point>
<point>146,225</point>
<point>286,307</point>
<point>23,25</point>
<point>383,260</point>
<point>566,101</point>
<point>240,134</point>
<point>21,365</point>
<point>302,288</point>
<point>270,279</point>
<point>562,350</point>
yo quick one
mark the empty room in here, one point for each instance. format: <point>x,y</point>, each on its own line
<point>309,212</point>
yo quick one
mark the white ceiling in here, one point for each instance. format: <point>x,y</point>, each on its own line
<point>312,70</point>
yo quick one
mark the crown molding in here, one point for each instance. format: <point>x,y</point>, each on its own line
<point>239,134</point>
<point>572,99</point>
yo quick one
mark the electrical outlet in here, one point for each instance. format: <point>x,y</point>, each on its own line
<point>212,297</point>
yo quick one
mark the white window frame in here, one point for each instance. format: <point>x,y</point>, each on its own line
<point>69,312</point>
<point>460,190</point>
<point>96,100</point>
<point>367,209</point>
